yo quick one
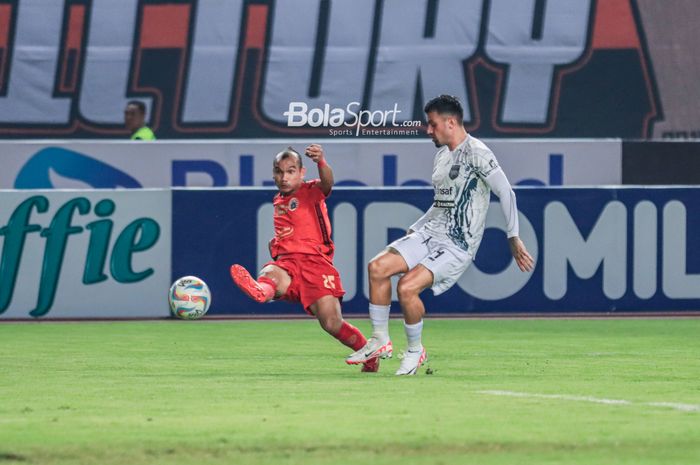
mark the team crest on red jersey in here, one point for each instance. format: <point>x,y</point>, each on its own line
<point>293,204</point>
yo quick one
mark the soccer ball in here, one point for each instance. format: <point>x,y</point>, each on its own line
<point>189,298</point>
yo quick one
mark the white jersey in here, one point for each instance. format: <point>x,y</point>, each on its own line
<point>462,196</point>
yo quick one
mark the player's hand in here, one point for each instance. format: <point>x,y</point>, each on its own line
<point>315,152</point>
<point>521,255</point>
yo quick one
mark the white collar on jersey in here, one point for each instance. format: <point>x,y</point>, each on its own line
<point>460,147</point>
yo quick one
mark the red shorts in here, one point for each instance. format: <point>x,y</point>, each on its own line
<point>313,276</point>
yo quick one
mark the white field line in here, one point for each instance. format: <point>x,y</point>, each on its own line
<point>595,400</point>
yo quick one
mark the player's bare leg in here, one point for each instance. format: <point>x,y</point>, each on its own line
<point>278,276</point>
<point>271,284</point>
<point>327,311</point>
<point>409,288</point>
<point>380,270</point>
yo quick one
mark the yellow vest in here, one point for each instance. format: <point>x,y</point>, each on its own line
<point>144,133</point>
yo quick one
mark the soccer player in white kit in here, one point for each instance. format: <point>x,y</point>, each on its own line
<point>442,244</point>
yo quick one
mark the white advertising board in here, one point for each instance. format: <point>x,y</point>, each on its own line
<point>375,163</point>
<point>85,254</point>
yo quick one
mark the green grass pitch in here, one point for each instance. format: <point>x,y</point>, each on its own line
<point>610,391</point>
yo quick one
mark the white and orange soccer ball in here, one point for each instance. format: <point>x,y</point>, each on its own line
<point>189,298</point>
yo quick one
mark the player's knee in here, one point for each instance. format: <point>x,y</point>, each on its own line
<point>377,270</point>
<point>407,288</point>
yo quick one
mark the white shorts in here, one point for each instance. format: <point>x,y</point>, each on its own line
<point>441,256</point>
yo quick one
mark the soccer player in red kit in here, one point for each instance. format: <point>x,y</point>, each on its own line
<point>302,250</point>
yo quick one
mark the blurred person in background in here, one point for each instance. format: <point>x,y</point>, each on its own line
<point>135,121</point>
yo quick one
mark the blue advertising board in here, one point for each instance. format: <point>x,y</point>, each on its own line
<point>596,249</point>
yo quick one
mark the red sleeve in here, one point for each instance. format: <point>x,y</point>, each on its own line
<point>315,191</point>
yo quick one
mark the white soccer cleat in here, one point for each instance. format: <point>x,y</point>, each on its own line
<point>374,348</point>
<point>412,360</point>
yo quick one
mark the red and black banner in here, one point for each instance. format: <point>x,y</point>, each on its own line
<point>232,68</point>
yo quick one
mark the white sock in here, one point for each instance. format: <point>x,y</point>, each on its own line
<point>379,314</point>
<point>413,334</point>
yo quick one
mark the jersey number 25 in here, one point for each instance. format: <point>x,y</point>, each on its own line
<point>328,281</point>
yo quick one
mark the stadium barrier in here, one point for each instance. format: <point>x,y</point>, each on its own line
<point>85,254</point>
<point>661,163</point>
<point>113,253</point>
<point>597,249</point>
<point>357,162</point>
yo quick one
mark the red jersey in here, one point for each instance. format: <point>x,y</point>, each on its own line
<point>301,222</point>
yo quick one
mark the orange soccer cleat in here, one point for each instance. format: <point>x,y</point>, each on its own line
<point>260,293</point>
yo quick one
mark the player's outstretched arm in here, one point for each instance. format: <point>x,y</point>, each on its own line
<point>501,187</point>
<point>325,173</point>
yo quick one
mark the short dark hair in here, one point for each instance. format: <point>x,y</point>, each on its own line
<point>286,153</point>
<point>445,105</point>
<point>139,105</point>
